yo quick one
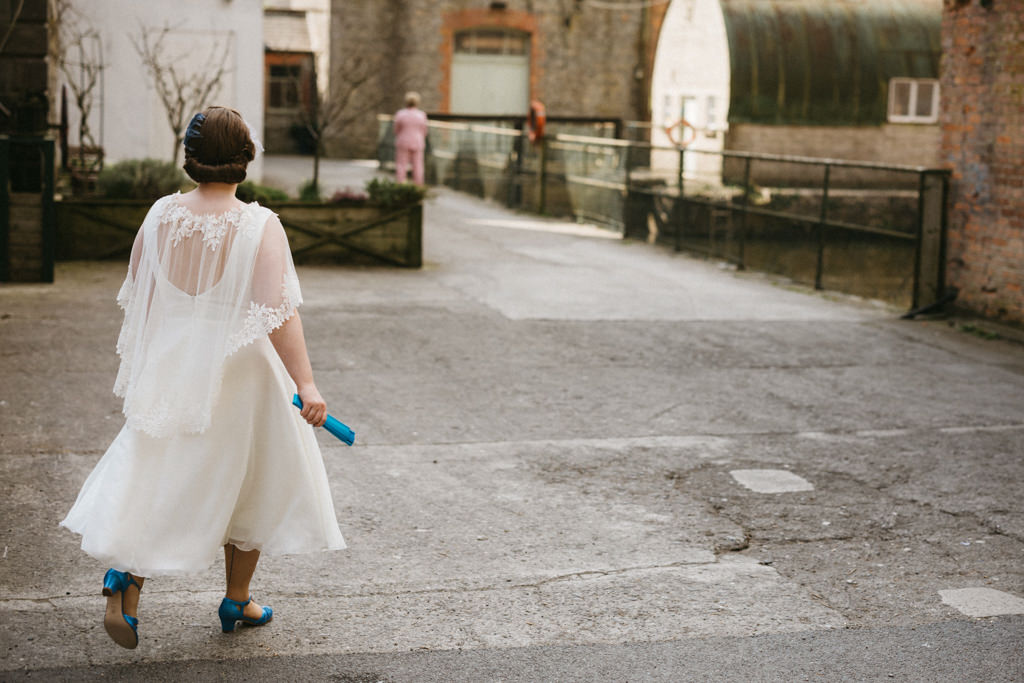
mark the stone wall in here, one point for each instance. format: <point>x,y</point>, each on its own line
<point>983,143</point>
<point>896,144</point>
<point>584,61</point>
<point>891,143</point>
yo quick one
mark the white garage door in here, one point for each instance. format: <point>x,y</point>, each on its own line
<point>490,72</point>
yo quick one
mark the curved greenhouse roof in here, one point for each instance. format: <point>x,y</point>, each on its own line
<point>825,61</point>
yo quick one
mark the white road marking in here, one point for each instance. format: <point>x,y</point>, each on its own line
<point>982,602</point>
<point>771,481</point>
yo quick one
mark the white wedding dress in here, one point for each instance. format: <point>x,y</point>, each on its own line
<point>212,451</point>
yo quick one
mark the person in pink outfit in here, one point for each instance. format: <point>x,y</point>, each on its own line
<point>410,139</point>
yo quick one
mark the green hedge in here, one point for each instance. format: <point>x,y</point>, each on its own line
<point>140,179</point>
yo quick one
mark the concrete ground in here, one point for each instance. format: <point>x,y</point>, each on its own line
<point>552,431</point>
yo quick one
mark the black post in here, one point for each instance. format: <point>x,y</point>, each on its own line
<point>456,161</point>
<point>915,298</point>
<point>943,232</point>
<point>49,227</point>
<point>741,256</point>
<point>542,191</point>
<point>820,265</point>
<point>5,208</point>
<point>679,173</point>
<point>678,206</point>
<point>515,188</point>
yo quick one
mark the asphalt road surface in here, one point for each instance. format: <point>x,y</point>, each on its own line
<point>577,459</point>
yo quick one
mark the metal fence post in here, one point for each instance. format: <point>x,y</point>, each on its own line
<point>627,162</point>
<point>515,189</point>
<point>741,262</point>
<point>679,173</point>
<point>5,208</point>
<point>678,206</point>
<point>820,264</point>
<point>456,160</point>
<point>542,190</point>
<point>49,227</point>
<point>930,246</point>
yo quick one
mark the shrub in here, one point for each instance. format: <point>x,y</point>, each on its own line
<point>249,191</point>
<point>388,194</point>
<point>349,195</point>
<point>309,192</point>
<point>140,179</point>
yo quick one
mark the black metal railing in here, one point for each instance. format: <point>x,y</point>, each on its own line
<point>874,230</point>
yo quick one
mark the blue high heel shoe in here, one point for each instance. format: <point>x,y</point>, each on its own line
<point>122,628</point>
<point>231,611</point>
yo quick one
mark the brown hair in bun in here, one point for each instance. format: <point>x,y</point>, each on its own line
<point>222,150</point>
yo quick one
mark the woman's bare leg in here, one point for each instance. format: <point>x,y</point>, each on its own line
<point>239,566</point>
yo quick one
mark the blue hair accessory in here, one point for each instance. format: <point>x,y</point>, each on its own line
<point>192,132</point>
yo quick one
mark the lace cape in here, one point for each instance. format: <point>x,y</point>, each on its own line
<point>199,288</point>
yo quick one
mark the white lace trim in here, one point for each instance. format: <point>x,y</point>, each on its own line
<point>124,299</point>
<point>261,319</point>
<point>213,226</point>
<point>151,412</point>
<point>155,422</point>
<point>124,295</point>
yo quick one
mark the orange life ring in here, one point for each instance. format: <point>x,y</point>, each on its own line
<point>680,124</point>
<point>535,122</point>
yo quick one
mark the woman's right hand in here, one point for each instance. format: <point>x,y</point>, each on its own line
<point>314,408</point>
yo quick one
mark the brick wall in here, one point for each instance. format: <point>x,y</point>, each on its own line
<point>983,143</point>
<point>584,60</point>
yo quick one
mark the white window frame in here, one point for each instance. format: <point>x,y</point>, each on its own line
<point>913,117</point>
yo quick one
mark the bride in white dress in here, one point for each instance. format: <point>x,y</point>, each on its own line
<point>212,454</point>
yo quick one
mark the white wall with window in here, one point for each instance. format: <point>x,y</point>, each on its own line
<point>317,16</point>
<point>690,81</point>
<point>128,118</point>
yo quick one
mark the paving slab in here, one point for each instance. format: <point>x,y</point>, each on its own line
<point>983,602</point>
<point>771,481</point>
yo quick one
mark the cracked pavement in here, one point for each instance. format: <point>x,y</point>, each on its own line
<point>547,420</point>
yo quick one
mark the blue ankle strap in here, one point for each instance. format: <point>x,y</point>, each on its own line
<point>236,603</point>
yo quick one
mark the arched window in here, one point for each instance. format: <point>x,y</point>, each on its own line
<point>490,71</point>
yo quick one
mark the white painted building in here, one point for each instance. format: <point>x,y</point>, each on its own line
<point>128,120</point>
<point>316,16</point>
<point>846,79</point>
<point>296,41</point>
<point>691,82</point>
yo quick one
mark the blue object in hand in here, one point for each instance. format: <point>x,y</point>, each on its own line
<point>334,426</point>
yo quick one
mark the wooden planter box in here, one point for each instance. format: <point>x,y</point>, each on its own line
<point>353,232</point>
<point>347,232</point>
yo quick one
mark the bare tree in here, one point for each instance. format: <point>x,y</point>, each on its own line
<point>181,90</point>
<point>355,91</point>
<point>328,113</point>
<point>77,50</point>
